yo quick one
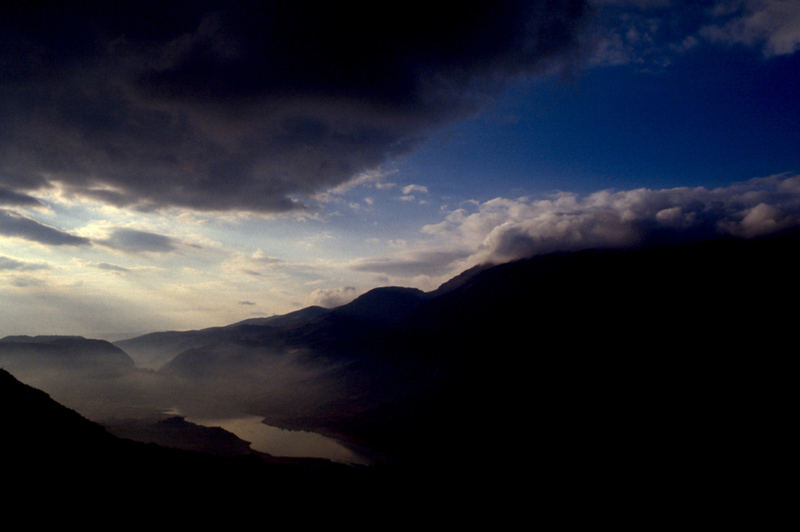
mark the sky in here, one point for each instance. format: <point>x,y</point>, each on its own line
<point>196,164</point>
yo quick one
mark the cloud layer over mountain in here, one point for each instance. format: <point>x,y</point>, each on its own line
<point>504,229</point>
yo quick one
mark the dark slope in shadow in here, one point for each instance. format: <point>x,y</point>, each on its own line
<point>54,458</point>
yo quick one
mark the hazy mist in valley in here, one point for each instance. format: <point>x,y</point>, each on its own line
<point>276,381</point>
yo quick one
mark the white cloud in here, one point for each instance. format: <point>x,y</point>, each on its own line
<point>409,192</point>
<point>332,297</point>
<point>761,220</point>
<point>256,264</point>
<point>652,38</point>
<point>505,229</point>
<point>409,189</point>
<point>772,24</point>
<point>372,177</point>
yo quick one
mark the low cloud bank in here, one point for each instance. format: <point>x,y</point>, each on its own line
<point>505,229</point>
<point>332,297</point>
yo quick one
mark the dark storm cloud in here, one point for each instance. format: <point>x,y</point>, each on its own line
<point>134,241</point>
<point>245,105</point>
<point>16,225</point>
<point>9,197</point>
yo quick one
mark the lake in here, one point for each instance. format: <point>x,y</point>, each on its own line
<point>282,442</point>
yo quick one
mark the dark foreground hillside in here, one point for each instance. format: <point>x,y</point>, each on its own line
<point>59,468</point>
<point>54,459</point>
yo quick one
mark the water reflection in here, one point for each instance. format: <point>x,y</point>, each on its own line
<point>280,442</point>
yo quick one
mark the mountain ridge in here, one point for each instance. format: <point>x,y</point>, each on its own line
<point>561,319</point>
<point>64,352</point>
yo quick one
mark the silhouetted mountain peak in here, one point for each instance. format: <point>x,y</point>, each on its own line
<point>386,304</point>
<point>291,319</point>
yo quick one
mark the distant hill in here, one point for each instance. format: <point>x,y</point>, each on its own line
<point>154,350</point>
<point>391,304</point>
<point>75,353</point>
